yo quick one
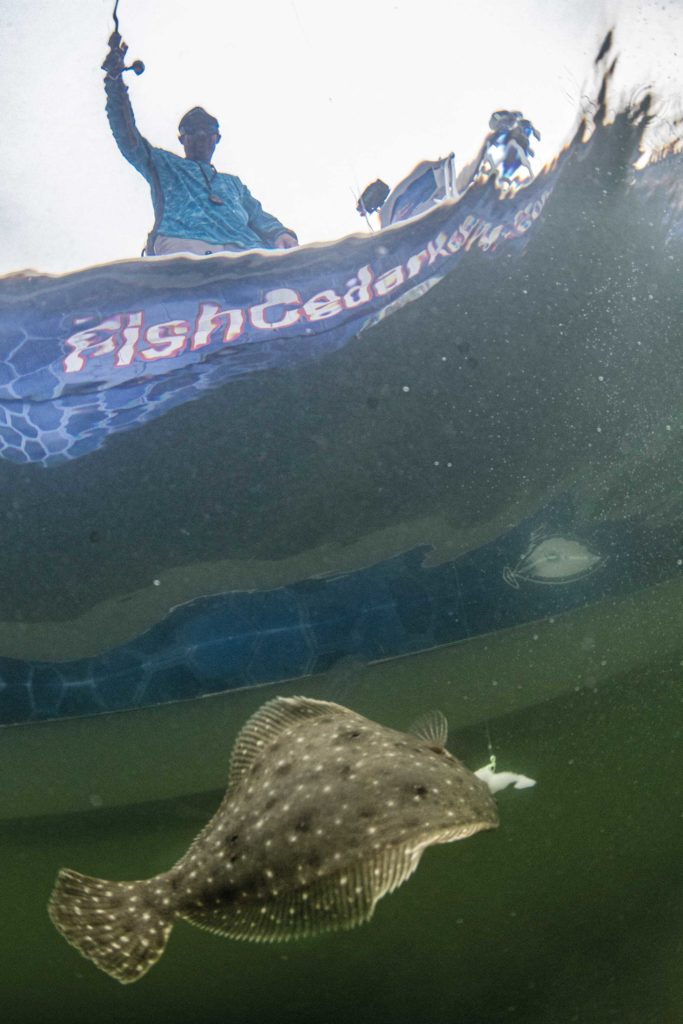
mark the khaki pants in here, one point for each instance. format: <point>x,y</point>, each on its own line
<point>164,245</point>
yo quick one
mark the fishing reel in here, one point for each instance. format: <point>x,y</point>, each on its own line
<point>137,66</point>
<point>116,44</point>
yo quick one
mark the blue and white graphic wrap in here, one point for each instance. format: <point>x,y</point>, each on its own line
<point>90,354</point>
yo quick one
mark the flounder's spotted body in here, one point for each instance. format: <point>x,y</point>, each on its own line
<point>325,813</point>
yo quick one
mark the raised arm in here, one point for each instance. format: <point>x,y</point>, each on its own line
<point>133,146</point>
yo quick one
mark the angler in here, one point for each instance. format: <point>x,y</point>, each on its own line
<point>197,209</point>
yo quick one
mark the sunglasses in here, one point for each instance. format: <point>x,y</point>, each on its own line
<point>200,131</point>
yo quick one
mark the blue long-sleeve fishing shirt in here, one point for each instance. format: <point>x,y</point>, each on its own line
<point>181,187</point>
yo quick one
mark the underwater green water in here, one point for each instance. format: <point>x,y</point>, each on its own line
<point>570,912</point>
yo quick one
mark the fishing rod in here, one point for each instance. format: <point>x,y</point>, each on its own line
<point>116,40</point>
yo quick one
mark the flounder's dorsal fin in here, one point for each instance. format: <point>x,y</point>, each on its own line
<point>342,900</point>
<point>266,724</point>
<point>432,727</point>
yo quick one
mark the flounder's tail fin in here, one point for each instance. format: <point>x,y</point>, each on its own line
<point>121,926</point>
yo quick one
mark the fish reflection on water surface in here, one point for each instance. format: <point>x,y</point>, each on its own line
<point>325,812</point>
<point>553,560</point>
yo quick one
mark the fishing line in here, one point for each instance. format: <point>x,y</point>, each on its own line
<point>489,744</point>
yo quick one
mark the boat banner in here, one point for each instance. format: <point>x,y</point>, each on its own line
<point>89,354</point>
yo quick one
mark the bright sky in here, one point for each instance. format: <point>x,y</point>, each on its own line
<point>316,98</point>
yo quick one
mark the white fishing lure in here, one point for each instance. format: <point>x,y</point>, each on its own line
<point>496,781</point>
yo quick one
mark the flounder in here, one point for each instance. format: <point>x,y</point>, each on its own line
<point>325,812</point>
